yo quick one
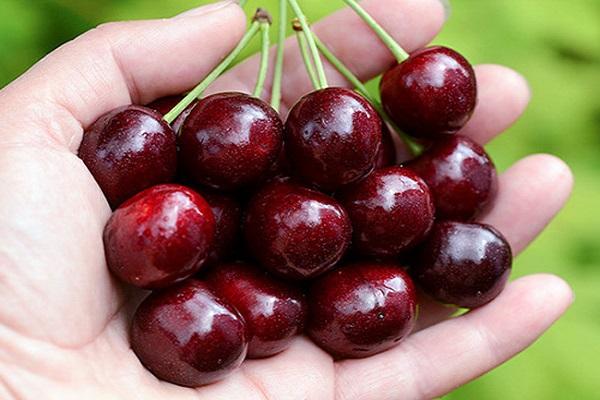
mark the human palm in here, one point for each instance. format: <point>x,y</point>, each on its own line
<point>64,320</point>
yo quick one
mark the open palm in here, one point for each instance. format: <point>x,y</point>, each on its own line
<point>64,320</point>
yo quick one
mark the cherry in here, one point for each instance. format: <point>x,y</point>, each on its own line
<point>432,92</point>
<point>230,140</point>
<point>128,150</point>
<point>387,152</point>
<point>361,309</point>
<point>164,104</point>
<point>332,137</point>
<point>274,311</point>
<point>160,236</point>
<point>188,336</point>
<point>391,210</point>
<point>228,217</point>
<point>296,232</point>
<point>460,174</point>
<point>465,264</point>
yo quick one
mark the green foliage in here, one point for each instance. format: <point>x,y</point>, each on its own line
<point>555,44</point>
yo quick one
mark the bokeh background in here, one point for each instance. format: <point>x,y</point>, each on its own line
<point>556,45</point>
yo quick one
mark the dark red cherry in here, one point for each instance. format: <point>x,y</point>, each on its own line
<point>391,210</point>
<point>387,152</point>
<point>274,311</point>
<point>464,264</point>
<point>432,92</point>
<point>332,137</point>
<point>165,104</point>
<point>296,232</point>
<point>128,150</point>
<point>460,175</point>
<point>361,309</point>
<point>228,218</point>
<point>230,141</point>
<point>160,236</point>
<point>188,336</point>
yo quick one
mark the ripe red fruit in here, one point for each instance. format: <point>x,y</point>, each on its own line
<point>188,336</point>
<point>165,104</point>
<point>296,232</point>
<point>160,236</point>
<point>332,137</point>
<point>274,310</point>
<point>361,309</point>
<point>128,150</point>
<point>465,264</point>
<point>432,92</point>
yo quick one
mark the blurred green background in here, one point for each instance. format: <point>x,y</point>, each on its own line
<point>556,45</point>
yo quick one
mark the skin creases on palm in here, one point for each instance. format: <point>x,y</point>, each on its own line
<point>64,320</point>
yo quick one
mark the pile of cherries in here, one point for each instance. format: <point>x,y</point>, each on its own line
<point>250,231</point>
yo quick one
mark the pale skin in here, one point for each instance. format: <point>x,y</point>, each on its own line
<point>64,320</point>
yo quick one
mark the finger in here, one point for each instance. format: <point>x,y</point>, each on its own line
<point>120,63</point>
<point>412,22</point>
<point>436,360</point>
<point>530,194</point>
<point>503,95</point>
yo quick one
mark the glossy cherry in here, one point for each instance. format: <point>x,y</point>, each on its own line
<point>391,210</point>
<point>164,104</point>
<point>128,150</point>
<point>228,218</point>
<point>465,264</point>
<point>432,92</point>
<point>188,336</point>
<point>361,309</point>
<point>296,232</point>
<point>460,175</point>
<point>274,311</point>
<point>332,137</point>
<point>387,152</point>
<point>160,236</point>
<point>230,141</point>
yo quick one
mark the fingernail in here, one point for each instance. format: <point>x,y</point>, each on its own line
<point>447,7</point>
<point>206,9</point>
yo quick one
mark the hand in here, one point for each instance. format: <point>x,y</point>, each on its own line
<point>64,320</point>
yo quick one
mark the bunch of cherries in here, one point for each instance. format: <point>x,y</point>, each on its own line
<point>251,231</point>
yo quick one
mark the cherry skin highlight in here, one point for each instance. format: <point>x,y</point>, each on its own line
<point>230,141</point>
<point>460,174</point>
<point>432,92</point>
<point>296,232</point>
<point>464,264</point>
<point>188,336</point>
<point>332,137</point>
<point>387,152</point>
<point>361,309</point>
<point>391,211</point>
<point>228,218</point>
<point>164,104</point>
<point>274,311</point>
<point>128,150</point>
<point>160,236</point>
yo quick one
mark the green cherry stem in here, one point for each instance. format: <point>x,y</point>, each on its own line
<point>360,87</point>
<point>399,53</point>
<point>278,69</point>
<point>215,73</point>
<point>242,3</point>
<point>303,46</point>
<point>265,23</point>
<point>311,44</point>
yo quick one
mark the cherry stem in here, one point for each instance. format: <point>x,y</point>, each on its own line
<point>311,44</point>
<point>360,87</point>
<point>265,23</point>
<point>303,46</point>
<point>242,3</point>
<point>399,53</point>
<point>278,69</point>
<point>215,73</point>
